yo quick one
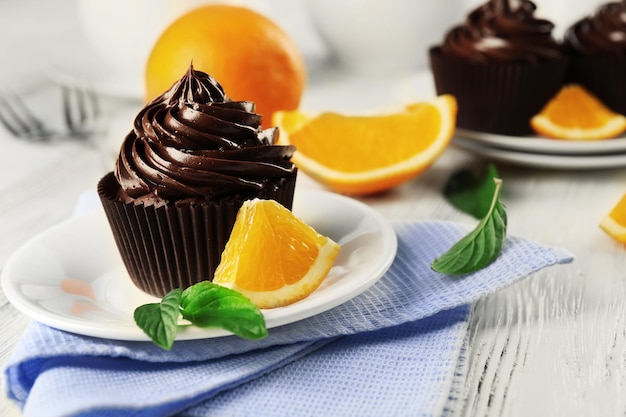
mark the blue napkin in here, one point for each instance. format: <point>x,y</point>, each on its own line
<point>389,351</point>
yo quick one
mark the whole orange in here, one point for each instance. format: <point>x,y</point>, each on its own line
<point>248,54</point>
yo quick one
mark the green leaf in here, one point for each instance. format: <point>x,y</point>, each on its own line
<point>471,191</point>
<point>481,246</point>
<point>160,320</point>
<point>210,305</point>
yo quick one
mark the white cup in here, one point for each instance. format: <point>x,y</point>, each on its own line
<point>383,36</point>
<point>123,32</point>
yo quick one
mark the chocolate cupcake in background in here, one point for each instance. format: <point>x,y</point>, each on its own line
<point>502,65</point>
<point>596,46</point>
<point>191,160</point>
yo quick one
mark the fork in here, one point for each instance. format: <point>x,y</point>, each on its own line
<point>20,121</point>
<point>81,110</point>
<point>81,114</point>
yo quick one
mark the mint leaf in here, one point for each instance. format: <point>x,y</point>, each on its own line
<point>481,246</point>
<point>206,305</point>
<point>471,191</point>
<point>160,320</point>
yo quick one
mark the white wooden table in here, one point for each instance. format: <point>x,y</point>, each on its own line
<point>552,345</point>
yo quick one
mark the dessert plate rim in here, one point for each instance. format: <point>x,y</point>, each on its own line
<point>544,160</point>
<point>536,144</point>
<point>71,276</point>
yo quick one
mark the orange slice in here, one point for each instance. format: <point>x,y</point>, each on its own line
<point>576,114</point>
<point>367,154</point>
<point>614,223</point>
<point>273,257</point>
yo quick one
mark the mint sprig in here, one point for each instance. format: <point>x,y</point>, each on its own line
<point>481,246</point>
<point>210,305</point>
<point>471,190</point>
<point>204,304</point>
<point>160,320</point>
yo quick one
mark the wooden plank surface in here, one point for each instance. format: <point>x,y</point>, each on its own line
<point>552,345</point>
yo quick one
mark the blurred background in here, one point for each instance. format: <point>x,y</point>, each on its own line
<point>105,45</point>
<point>107,42</point>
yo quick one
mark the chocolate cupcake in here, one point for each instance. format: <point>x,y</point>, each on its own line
<point>191,160</point>
<point>596,46</point>
<point>502,65</point>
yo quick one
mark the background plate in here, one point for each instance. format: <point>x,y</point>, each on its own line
<point>537,144</point>
<point>538,160</point>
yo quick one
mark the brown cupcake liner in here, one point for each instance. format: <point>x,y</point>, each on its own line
<point>175,245</point>
<point>497,98</point>
<point>602,75</point>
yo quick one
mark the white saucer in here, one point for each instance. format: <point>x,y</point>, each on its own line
<point>541,160</point>
<point>71,276</point>
<point>538,144</point>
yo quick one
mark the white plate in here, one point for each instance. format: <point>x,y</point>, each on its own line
<point>542,145</point>
<point>539,160</point>
<point>71,276</point>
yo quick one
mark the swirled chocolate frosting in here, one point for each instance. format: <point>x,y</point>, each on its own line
<point>603,32</point>
<point>503,30</point>
<point>194,142</point>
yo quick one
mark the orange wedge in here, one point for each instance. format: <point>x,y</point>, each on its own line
<point>368,154</point>
<point>273,257</point>
<point>614,223</point>
<point>576,114</point>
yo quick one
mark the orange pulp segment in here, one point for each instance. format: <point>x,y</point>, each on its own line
<point>576,114</point>
<point>368,154</point>
<point>614,223</point>
<point>273,257</point>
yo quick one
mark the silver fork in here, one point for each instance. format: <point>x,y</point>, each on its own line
<point>81,111</point>
<point>81,114</point>
<point>20,121</point>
